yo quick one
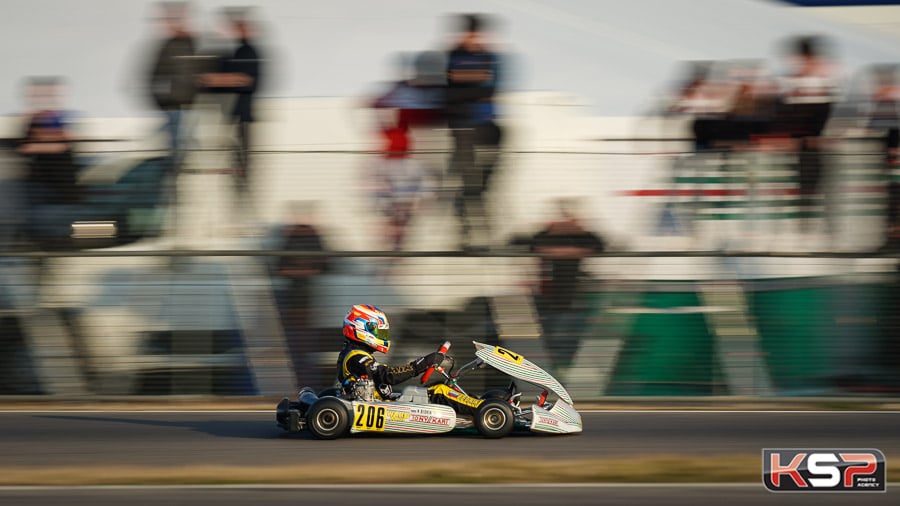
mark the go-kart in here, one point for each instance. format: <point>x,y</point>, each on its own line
<point>440,407</point>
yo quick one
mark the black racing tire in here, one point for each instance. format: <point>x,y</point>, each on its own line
<point>494,419</point>
<point>328,418</point>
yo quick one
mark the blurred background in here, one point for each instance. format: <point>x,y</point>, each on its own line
<point>648,198</point>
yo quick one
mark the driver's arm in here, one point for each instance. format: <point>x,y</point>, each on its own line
<point>382,374</point>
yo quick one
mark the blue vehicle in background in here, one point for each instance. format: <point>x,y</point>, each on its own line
<point>129,324</point>
<point>117,210</point>
<point>108,202</point>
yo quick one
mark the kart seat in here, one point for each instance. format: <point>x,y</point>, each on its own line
<point>415,394</point>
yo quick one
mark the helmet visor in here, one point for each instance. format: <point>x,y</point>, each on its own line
<point>382,334</point>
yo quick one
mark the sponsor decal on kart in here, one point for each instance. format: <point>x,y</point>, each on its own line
<point>548,421</point>
<point>434,420</point>
<point>453,395</point>
<point>397,416</point>
<point>419,419</point>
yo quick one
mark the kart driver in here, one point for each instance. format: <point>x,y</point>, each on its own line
<point>366,331</point>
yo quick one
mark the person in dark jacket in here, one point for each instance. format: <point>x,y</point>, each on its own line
<point>295,281</point>
<point>884,120</point>
<point>473,72</point>
<point>239,75</point>
<point>563,244</point>
<point>172,78</point>
<point>51,190</point>
<point>803,112</point>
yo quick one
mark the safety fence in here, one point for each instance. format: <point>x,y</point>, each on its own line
<point>97,323</point>
<point>644,196</point>
<point>721,274</point>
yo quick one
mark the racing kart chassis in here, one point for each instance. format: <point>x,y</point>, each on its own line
<point>494,414</point>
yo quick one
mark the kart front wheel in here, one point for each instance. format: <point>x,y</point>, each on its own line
<point>494,418</point>
<point>328,418</point>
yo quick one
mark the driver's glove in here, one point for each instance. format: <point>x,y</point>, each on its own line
<point>422,364</point>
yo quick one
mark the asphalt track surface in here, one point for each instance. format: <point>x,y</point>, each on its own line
<point>247,438</point>
<point>435,495</point>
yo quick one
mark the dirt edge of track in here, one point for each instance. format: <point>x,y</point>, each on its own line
<point>624,469</point>
<point>658,469</point>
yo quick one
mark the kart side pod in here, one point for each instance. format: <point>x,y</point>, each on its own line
<point>560,419</point>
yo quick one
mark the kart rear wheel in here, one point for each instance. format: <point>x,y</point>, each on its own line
<point>494,419</point>
<point>328,418</point>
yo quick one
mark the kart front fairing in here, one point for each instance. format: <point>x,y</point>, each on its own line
<point>558,418</point>
<point>519,367</point>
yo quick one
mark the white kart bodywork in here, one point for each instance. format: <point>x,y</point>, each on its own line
<point>412,413</point>
<point>401,417</point>
<point>561,418</point>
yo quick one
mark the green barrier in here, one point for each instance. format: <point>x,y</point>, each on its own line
<point>794,331</point>
<point>819,339</point>
<point>816,336</point>
<point>668,350</point>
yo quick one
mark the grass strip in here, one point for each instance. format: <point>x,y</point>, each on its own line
<point>655,469</point>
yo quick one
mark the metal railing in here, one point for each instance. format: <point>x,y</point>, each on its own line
<point>704,291</point>
<point>641,324</point>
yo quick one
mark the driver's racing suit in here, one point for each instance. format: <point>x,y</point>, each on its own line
<point>356,361</point>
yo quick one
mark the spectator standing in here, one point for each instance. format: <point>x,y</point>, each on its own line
<point>407,111</point>
<point>707,99</point>
<point>47,146</point>
<point>563,244</point>
<point>808,93</point>
<point>884,120</point>
<point>239,75</point>
<point>51,180</point>
<point>173,74</point>
<point>296,275</point>
<point>400,185</point>
<point>473,72</point>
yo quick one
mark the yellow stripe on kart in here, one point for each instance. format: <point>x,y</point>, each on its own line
<point>455,396</point>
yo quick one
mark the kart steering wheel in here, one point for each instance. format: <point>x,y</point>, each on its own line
<point>443,350</point>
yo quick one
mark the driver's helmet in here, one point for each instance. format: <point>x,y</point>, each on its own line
<point>368,325</point>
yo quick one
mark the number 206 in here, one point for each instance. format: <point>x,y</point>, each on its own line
<point>369,416</point>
